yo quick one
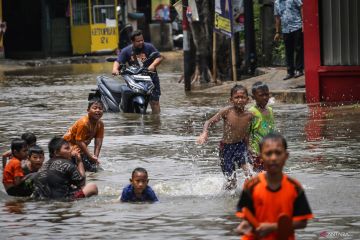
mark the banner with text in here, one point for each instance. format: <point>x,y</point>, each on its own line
<point>223,19</point>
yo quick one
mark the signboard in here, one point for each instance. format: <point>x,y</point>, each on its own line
<point>229,16</point>
<point>223,20</point>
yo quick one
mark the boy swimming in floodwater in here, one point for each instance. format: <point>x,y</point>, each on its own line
<point>60,177</point>
<point>138,190</point>
<point>273,195</point>
<point>84,130</point>
<point>30,140</point>
<point>234,144</point>
<point>14,180</point>
<point>263,121</point>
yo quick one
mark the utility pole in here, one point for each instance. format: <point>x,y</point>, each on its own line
<point>186,47</point>
<point>250,42</point>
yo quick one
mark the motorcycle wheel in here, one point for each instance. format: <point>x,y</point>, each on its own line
<point>140,109</point>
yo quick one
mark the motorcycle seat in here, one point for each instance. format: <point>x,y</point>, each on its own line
<point>112,85</point>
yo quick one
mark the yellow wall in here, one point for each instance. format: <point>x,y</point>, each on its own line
<point>81,39</point>
<point>92,38</point>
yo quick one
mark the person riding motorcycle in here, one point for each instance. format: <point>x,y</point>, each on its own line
<point>135,54</point>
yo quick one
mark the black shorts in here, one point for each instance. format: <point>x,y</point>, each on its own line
<point>155,95</point>
<point>21,190</point>
<point>89,165</point>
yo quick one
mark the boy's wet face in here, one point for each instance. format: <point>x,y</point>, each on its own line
<point>64,152</point>
<point>139,181</point>
<point>274,156</point>
<point>22,154</point>
<point>95,111</point>
<point>239,99</point>
<point>36,160</point>
<point>261,97</point>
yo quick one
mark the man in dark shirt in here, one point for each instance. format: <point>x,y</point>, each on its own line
<point>136,54</point>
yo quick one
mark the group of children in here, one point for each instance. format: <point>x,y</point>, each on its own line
<point>63,175</point>
<point>248,141</point>
<point>243,131</point>
<point>271,203</point>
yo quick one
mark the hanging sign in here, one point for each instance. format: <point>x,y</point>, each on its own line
<point>223,19</point>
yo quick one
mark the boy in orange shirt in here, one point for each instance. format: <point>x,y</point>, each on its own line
<point>30,140</point>
<point>271,194</point>
<point>84,130</point>
<point>13,175</point>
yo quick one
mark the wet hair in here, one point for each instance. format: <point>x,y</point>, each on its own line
<point>95,101</point>
<point>236,88</point>
<point>55,145</point>
<point>273,137</point>
<point>29,138</point>
<point>135,34</point>
<point>259,85</point>
<point>139,169</point>
<point>17,144</point>
<point>36,149</point>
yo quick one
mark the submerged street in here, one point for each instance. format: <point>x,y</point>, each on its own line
<point>324,146</point>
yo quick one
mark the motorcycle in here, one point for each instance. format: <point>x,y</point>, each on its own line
<point>131,97</point>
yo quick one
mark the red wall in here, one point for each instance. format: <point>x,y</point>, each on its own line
<point>325,83</point>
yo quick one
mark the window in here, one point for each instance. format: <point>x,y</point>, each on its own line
<point>102,10</point>
<point>340,32</point>
<point>80,10</point>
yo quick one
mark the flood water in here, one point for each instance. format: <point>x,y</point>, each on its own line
<point>323,144</point>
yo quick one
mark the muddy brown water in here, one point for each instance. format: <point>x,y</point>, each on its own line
<point>323,144</point>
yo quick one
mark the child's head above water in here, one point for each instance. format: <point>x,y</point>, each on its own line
<point>96,102</point>
<point>239,96</point>
<point>58,147</point>
<point>36,156</point>
<point>29,138</point>
<point>273,150</point>
<point>95,109</point>
<point>260,92</point>
<point>139,179</point>
<point>19,148</point>
<point>238,87</point>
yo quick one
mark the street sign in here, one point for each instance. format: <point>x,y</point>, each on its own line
<point>223,19</point>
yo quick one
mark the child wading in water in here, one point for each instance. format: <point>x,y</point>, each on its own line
<point>35,160</point>
<point>277,201</point>
<point>138,190</point>
<point>234,144</point>
<point>30,140</point>
<point>60,177</point>
<point>84,130</point>
<point>14,179</point>
<point>263,121</point>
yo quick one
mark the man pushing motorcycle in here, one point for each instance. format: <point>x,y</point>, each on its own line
<point>135,54</point>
